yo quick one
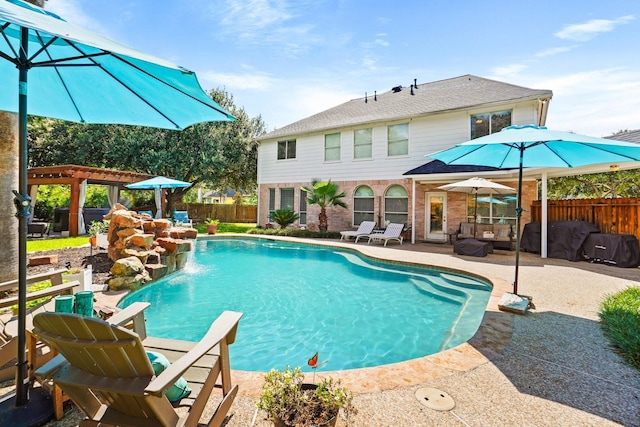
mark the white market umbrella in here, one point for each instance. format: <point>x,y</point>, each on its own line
<point>474,186</point>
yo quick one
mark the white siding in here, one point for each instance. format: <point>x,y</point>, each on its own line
<point>426,135</point>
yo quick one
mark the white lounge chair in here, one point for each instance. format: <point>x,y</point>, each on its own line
<point>392,232</point>
<point>365,228</point>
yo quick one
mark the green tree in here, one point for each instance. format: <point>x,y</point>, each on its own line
<point>217,154</point>
<point>324,194</point>
<point>624,183</point>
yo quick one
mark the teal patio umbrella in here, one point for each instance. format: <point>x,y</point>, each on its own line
<point>157,184</point>
<point>49,67</point>
<point>536,146</point>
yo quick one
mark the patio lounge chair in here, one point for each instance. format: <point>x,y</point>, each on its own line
<point>182,217</point>
<point>365,227</point>
<point>392,232</point>
<point>106,370</point>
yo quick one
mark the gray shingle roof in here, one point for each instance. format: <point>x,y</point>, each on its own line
<point>443,95</point>
<point>629,136</point>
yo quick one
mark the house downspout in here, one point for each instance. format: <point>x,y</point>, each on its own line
<point>543,107</point>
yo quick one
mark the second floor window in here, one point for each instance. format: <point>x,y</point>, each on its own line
<point>362,144</point>
<point>287,149</point>
<point>332,147</point>
<point>488,123</point>
<point>398,139</point>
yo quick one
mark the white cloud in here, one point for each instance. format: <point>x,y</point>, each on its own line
<point>264,22</point>
<point>595,102</point>
<point>381,42</point>
<point>71,11</point>
<point>246,81</point>
<point>553,51</point>
<point>508,70</point>
<point>588,30</point>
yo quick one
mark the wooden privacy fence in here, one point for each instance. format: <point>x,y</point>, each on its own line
<point>199,212</point>
<point>612,216</point>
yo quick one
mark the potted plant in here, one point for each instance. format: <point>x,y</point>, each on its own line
<point>290,402</point>
<point>98,233</point>
<point>212,225</point>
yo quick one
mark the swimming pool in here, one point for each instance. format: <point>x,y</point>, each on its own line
<point>298,299</point>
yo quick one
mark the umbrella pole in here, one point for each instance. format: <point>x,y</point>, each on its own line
<point>518,215</point>
<point>22,202</point>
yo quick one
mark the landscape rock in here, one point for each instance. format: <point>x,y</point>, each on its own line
<point>127,266</point>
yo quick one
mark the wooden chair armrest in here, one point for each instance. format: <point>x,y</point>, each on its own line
<point>46,370</point>
<point>224,327</point>
<point>135,313</point>
<point>65,288</point>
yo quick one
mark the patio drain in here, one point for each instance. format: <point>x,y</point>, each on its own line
<point>435,399</point>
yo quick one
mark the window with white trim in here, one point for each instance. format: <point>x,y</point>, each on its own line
<point>272,202</point>
<point>363,205</point>
<point>303,208</point>
<point>398,140</point>
<point>396,205</point>
<point>492,208</point>
<point>362,143</point>
<point>332,147</point>
<point>287,149</point>
<point>488,123</point>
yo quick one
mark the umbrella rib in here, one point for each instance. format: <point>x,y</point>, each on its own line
<point>221,111</point>
<point>557,155</point>
<point>4,55</point>
<point>64,84</point>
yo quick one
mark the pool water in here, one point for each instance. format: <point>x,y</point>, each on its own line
<point>298,299</point>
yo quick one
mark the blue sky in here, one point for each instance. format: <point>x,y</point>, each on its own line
<point>288,59</point>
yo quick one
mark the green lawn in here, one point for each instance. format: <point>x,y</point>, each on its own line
<point>228,227</point>
<point>56,243</point>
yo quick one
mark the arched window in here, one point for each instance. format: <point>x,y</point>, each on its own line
<point>396,205</point>
<point>362,205</point>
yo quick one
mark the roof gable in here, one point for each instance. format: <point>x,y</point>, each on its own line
<point>443,95</point>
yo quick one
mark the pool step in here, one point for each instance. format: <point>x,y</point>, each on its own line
<point>440,291</point>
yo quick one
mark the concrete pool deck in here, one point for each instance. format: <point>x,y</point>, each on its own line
<point>549,367</point>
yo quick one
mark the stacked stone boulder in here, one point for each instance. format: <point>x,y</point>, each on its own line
<point>143,248</point>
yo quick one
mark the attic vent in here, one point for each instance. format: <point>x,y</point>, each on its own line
<point>396,89</point>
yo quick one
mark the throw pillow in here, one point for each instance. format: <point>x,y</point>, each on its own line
<point>159,363</point>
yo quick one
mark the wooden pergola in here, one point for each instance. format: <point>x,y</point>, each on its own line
<point>74,175</point>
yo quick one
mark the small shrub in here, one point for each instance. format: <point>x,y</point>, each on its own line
<point>295,233</point>
<point>283,217</point>
<point>620,315</point>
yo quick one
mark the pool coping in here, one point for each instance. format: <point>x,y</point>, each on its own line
<point>489,341</point>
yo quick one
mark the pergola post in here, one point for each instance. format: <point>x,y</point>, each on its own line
<point>73,207</point>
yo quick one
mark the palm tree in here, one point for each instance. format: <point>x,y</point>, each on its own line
<point>324,194</point>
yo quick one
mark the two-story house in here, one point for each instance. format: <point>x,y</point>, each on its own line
<point>374,148</point>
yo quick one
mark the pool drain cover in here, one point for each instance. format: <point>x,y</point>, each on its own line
<point>435,399</point>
